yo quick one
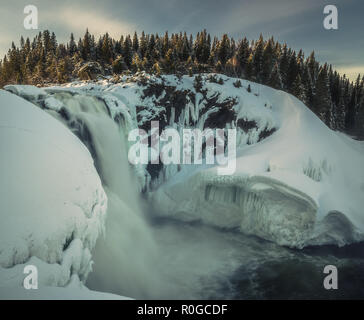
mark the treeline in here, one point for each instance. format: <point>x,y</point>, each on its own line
<point>336,100</point>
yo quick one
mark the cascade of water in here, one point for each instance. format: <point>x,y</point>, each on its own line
<point>124,258</point>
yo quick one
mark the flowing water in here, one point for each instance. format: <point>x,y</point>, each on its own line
<point>145,257</point>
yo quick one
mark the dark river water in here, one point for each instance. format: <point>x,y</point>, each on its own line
<point>200,262</point>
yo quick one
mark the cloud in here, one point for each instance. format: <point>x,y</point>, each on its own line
<point>351,71</point>
<point>78,19</point>
<point>254,14</point>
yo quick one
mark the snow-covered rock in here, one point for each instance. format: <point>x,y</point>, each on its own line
<point>53,206</point>
<point>303,185</point>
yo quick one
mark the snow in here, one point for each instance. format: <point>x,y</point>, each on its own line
<point>53,206</point>
<point>291,187</point>
<point>75,290</point>
<point>27,91</point>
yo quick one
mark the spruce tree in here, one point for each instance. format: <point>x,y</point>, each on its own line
<point>72,46</point>
<point>258,58</point>
<point>249,69</point>
<point>275,80</point>
<point>223,49</point>
<point>267,61</point>
<point>322,100</point>
<point>106,51</point>
<point>143,45</point>
<point>135,42</point>
<point>127,51</point>
<point>242,55</point>
<point>292,72</point>
<point>284,65</point>
<point>86,46</point>
<point>298,90</point>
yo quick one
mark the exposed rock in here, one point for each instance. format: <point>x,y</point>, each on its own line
<point>90,71</point>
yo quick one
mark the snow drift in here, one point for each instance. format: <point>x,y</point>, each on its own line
<point>53,206</point>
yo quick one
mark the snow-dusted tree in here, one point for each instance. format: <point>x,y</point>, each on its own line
<point>128,51</point>
<point>72,48</point>
<point>267,61</point>
<point>322,100</point>
<point>298,89</point>
<point>223,49</point>
<point>135,42</point>
<point>143,45</point>
<point>275,80</point>
<point>283,65</point>
<point>242,55</point>
<point>258,58</point>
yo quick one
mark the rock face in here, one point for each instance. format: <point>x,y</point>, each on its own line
<point>53,205</point>
<point>90,71</point>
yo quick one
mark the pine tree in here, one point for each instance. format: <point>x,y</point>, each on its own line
<point>249,69</point>
<point>143,45</point>
<point>40,68</point>
<point>72,46</point>
<point>135,42</point>
<point>298,90</point>
<point>169,62</point>
<point>165,44</point>
<point>312,66</point>
<point>185,53</point>
<point>46,41</point>
<point>284,65</point>
<point>307,83</point>
<point>340,110</point>
<point>322,100</point>
<point>223,49</point>
<point>86,46</point>
<point>242,55</point>
<point>258,58</point>
<point>292,72</point>
<point>93,51</point>
<point>127,51</point>
<point>106,51</point>
<point>63,70</point>
<point>351,113</point>
<point>267,61</point>
<point>151,54</point>
<point>275,80</point>
<point>202,47</point>
<point>53,43</point>
<point>359,130</point>
<point>136,64</point>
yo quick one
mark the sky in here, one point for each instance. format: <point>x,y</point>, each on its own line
<point>299,23</point>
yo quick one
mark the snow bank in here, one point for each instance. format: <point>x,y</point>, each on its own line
<point>53,206</point>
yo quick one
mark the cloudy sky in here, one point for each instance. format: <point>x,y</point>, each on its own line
<point>297,22</point>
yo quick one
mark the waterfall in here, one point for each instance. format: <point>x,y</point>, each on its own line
<point>125,258</point>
